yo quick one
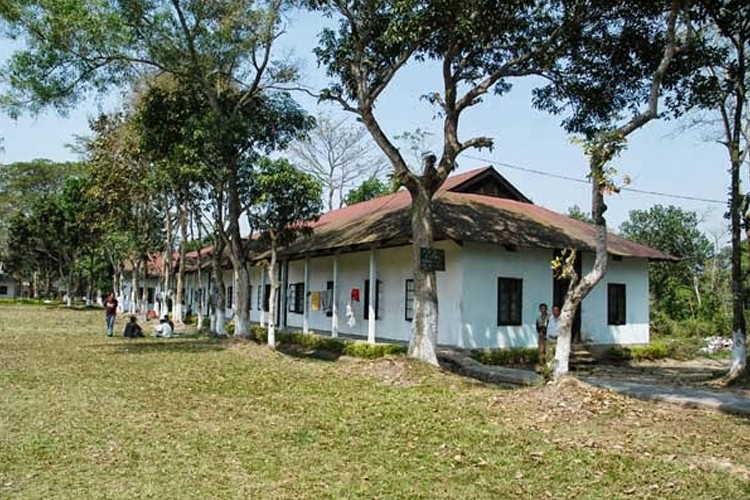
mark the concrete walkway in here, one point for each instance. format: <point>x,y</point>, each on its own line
<point>684,396</point>
<point>688,397</point>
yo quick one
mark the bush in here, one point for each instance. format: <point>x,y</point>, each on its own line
<point>654,351</point>
<point>333,345</point>
<point>513,356</point>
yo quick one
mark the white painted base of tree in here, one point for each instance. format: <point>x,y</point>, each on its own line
<point>219,323</point>
<point>738,363</point>
<point>241,326</point>
<point>424,340</point>
<point>272,336</point>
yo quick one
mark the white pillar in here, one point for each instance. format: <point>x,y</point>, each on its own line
<point>306,293</point>
<point>373,297</point>
<point>334,298</point>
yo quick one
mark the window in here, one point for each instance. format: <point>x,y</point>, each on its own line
<point>509,301</point>
<point>409,300</point>
<point>266,297</point>
<point>230,297</point>
<point>151,293</point>
<point>367,300</point>
<point>297,298</point>
<point>3,289</point>
<point>250,298</point>
<point>328,302</point>
<point>615,304</point>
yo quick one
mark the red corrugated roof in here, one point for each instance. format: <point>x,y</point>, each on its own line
<point>461,216</point>
<point>553,230</point>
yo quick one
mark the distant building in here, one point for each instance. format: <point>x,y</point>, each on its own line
<point>8,287</point>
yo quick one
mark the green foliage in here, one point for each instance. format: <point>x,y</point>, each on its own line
<point>575,212</point>
<point>369,189</point>
<point>23,183</point>
<point>653,351</point>
<point>514,356</point>
<point>283,200</point>
<point>675,232</point>
<point>333,345</point>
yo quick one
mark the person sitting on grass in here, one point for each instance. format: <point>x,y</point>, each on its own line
<point>133,329</point>
<point>164,328</point>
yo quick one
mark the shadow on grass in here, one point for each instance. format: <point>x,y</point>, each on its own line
<point>303,352</point>
<point>151,345</point>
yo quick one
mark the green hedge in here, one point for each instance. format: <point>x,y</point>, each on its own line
<point>514,356</point>
<point>654,351</point>
<point>334,345</point>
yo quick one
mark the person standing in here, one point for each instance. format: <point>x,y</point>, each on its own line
<point>110,312</point>
<point>541,330</point>
<point>552,326</point>
<point>553,323</point>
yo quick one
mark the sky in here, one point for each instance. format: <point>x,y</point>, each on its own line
<point>664,157</point>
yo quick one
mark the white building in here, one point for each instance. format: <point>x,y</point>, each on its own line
<point>8,286</point>
<point>497,252</point>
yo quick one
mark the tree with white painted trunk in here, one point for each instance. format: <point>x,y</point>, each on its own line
<point>479,45</point>
<point>647,32</point>
<point>283,201</point>
<point>720,92</point>
<point>220,52</point>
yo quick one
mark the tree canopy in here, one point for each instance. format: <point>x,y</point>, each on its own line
<point>675,232</point>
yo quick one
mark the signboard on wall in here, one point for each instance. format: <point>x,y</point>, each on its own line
<point>431,259</point>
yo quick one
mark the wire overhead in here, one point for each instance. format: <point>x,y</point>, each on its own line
<point>583,181</point>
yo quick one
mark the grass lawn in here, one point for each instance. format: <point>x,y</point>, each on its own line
<point>86,416</point>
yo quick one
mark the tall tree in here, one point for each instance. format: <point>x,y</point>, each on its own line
<point>721,90</point>
<point>283,201</point>
<point>339,155</point>
<point>123,183</point>
<point>22,183</point>
<point>612,78</point>
<point>479,45</point>
<point>673,231</point>
<point>222,50</point>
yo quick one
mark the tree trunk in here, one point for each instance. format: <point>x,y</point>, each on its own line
<point>201,291</point>
<point>219,293</point>
<point>272,296</point>
<point>242,295</point>
<point>178,296</point>
<point>134,290</point>
<point>239,259</point>
<point>423,341</point>
<point>580,288</point>
<point>144,292</point>
<point>739,351</point>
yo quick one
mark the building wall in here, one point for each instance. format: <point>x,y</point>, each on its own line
<point>483,265</point>
<point>7,288</point>
<point>468,294</point>
<point>633,273</point>
<point>394,267</point>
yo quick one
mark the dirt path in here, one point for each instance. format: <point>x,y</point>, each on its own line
<point>699,373</point>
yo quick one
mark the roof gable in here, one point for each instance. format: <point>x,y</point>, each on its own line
<point>485,181</point>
